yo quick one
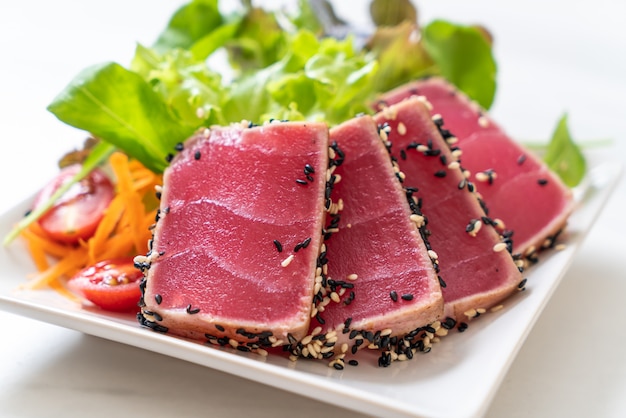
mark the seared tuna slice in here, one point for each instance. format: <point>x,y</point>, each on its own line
<point>379,261</point>
<point>476,268</point>
<point>236,247</point>
<point>518,188</point>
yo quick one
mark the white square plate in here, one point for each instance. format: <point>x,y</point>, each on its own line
<point>457,378</point>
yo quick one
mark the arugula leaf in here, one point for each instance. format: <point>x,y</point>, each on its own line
<point>120,107</point>
<point>189,24</point>
<point>563,155</point>
<point>99,153</point>
<point>463,55</point>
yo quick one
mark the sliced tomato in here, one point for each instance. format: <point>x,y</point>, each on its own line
<point>112,285</point>
<point>77,213</point>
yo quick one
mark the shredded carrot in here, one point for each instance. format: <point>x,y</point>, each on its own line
<point>123,230</point>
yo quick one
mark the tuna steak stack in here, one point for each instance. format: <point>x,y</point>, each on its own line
<point>506,174</point>
<point>477,270</point>
<point>237,244</point>
<point>379,260</point>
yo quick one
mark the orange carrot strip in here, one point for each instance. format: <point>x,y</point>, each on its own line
<point>65,267</point>
<point>38,254</point>
<point>134,206</point>
<point>106,227</point>
<point>43,243</point>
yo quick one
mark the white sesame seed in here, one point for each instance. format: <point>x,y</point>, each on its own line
<point>483,122</point>
<point>454,165</point>
<point>480,176</point>
<point>497,308</point>
<point>417,219</point>
<point>401,128</point>
<point>560,247</point>
<point>501,246</point>
<point>470,313</point>
<point>287,261</point>
<point>307,339</point>
<point>352,276</point>
<point>433,255</point>
<point>441,332</point>
<point>451,140</point>
<point>386,331</point>
<point>331,153</point>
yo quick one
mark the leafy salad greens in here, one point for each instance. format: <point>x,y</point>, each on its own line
<point>279,65</point>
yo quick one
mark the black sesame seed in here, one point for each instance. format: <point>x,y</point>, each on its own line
<point>441,282</point>
<point>308,169</point>
<point>407,296</point>
<point>462,326</point>
<point>338,366</point>
<point>191,311</point>
<point>394,295</point>
<point>522,284</point>
<point>158,299</point>
<point>197,155</point>
<point>219,327</point>
<point>542,182</point>
<point>440,173</point>
<point>169,157</point>
<point>278,246</point>
<point>300,181</point>
<point>403,154</point>
<point>353,362</point>
<point>521,159</point>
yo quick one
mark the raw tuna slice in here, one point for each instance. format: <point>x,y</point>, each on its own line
<point>517,187</point>
<point>396,290</point>
<point>236,247</point>
<point>475,263</point>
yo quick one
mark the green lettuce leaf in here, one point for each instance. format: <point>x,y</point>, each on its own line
<point>191,90</point>
<point>189,24</point>
<point>564,157</point>
<point>464,57</point>
<point>121,108</point>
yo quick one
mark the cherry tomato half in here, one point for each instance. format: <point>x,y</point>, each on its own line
<point>112,285</point>
<point>77,213</point>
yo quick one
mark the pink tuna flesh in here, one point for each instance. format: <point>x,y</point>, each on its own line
<point>378,243</point>
<point>475,275</point>
<point>518,189</point>
<point>226,198</point>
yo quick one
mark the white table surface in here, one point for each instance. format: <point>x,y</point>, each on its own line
<point>553,57</point>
